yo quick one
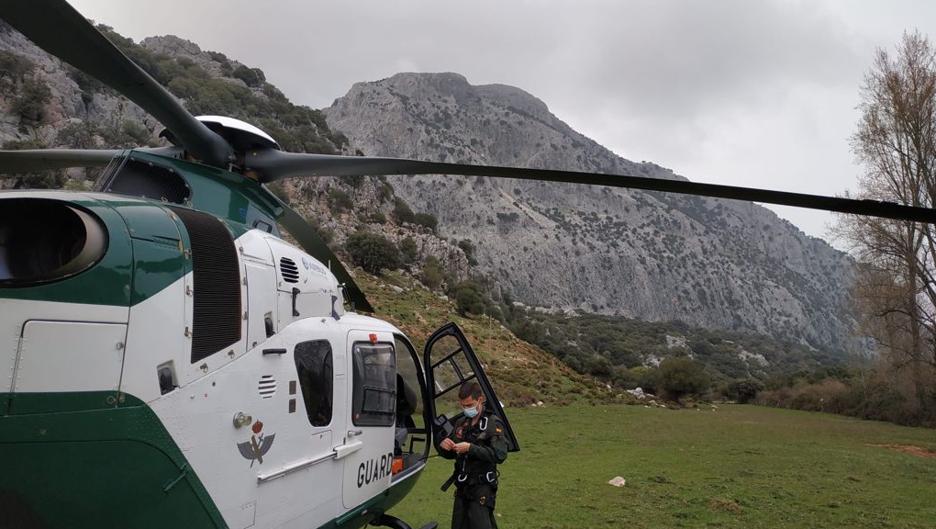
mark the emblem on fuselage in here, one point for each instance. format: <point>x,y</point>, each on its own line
<point>258,445</point>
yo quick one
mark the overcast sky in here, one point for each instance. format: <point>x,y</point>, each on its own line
<point>742,92</point>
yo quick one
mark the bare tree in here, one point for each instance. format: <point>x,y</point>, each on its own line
<point>896,143</point>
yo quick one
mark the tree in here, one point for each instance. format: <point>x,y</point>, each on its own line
<point>683,376</point>
<point>372,252</point>
<point>432,273</point>
<point>426,219</point>
<point>409,250</point>
<point>469,298</point>
<point>743,391</point>
<point>402,211</point>
<point>468,247</point>
<point>32,99</point>
<point>896,143</point>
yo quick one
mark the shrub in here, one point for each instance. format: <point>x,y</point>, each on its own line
<point>32,99</point>
<point>426,219</point>
<point>432,273</point>
<point>339,201</point>
<point>408,250</point>
<point>355,181</point>
<point>252,77</point>
<point>469,298</point>
<point>469,249</point>
<point>743,391</point>
<point>372,252</point>
<point>683,376</point>
<point>402,211</point>
<point>14,67</point>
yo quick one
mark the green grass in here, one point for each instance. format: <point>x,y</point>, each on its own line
<point>740,466</point>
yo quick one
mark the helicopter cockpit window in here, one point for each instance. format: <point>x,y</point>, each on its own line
<point>374,398</point>
<point>314,367</point>
<point>144,179</point>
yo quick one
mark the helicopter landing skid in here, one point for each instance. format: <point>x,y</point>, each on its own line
<point>385,520</point>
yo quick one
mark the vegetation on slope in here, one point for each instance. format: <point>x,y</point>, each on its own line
<point>522,374</point>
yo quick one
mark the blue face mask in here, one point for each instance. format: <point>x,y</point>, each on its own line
<point>470,412</point>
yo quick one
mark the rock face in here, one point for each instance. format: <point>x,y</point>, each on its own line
<point>713,263</point>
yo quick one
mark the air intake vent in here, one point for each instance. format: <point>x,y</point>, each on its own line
<point>267,386</point>
<point>289,270</point>
<point>216,309</point>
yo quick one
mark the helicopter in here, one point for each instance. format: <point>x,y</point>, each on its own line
<point>174,361</point>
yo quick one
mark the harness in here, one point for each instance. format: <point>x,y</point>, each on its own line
<point>462,477</point>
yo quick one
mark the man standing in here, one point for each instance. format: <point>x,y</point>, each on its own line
<point>477,445</point>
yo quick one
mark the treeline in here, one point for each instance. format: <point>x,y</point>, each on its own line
<point>630,353</point>
<point>866,393</point>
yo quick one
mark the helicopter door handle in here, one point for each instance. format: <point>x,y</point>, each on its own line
<point>355,433</point>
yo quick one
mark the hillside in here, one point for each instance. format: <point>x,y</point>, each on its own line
<point>522,374</point>
<point>712,263</point>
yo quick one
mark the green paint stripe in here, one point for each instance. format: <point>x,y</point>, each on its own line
<point>112,464</point>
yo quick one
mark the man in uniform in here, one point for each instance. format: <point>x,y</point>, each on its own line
<point>477,445</point>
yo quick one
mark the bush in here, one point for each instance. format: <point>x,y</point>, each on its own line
<point>252,77</point>
<point>432,273</point>
<point>14,67</point>
<point>468,247</point>
<point>408,250</point>
<point>426,219</point>
<point>402,211</point>
<point>339,201</point>
<point>32,99</point>
<point>682,376</point>
<point>469,298</point>
<point>742,391</point>
<point>354,181</point>
<point>372,252</point>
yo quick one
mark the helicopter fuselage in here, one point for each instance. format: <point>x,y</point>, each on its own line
<point>169,367</point>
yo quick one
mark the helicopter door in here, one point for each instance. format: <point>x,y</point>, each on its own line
<point>368,445</point>
<point>450,362</point>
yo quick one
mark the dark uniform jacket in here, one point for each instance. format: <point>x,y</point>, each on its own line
<point>475,474</point>
<point>488,449</point>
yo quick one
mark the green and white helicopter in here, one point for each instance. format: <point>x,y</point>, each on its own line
<point>172,362</point>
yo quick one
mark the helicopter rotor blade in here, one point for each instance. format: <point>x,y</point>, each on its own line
<point>273,165</point>
<point>29,160</point>
<point>314,245</point>
<point>59,29</point>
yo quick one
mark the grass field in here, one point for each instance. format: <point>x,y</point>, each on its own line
<point>740,466</point>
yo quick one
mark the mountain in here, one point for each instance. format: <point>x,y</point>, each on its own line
<point>642,255</point>
<point>711,263</point>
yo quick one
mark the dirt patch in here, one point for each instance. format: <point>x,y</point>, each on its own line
<point>723,505</point>
<point>913,450</point>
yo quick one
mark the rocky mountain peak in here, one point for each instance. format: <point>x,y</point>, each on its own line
<point>713,263</point>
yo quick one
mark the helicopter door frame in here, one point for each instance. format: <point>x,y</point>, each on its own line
<point>442,425</point>
<point>424,431</point>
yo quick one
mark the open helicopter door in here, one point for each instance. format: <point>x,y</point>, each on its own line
<point>450,362</point>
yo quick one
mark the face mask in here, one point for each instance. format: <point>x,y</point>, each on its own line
<point>470,412</point>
